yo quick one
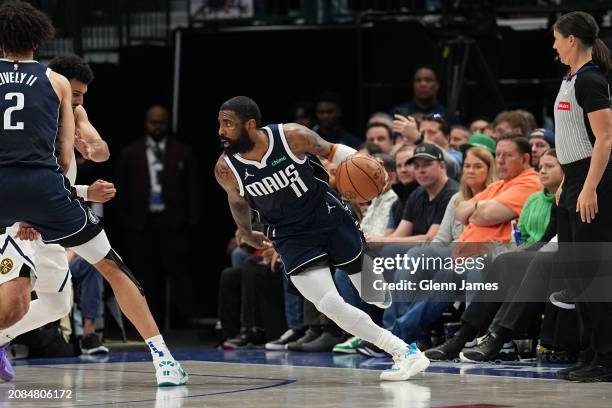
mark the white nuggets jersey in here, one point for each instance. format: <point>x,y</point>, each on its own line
<point>16,256</point>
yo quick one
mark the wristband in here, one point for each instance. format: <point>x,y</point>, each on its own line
<point>340,152</point>
<point>81,191</point>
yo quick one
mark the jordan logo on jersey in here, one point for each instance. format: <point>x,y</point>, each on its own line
<point>288,177</point>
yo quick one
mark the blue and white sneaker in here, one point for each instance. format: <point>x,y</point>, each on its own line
<point>170,373</point>
<point>408,362</point>
<point>6,368</point>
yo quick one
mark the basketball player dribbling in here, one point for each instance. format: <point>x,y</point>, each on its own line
<point>271,171</point>
<point>37,108</point>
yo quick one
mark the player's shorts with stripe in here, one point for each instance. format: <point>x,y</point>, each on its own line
<point>44,198</point>
<point>330,235</point>
<point>16,257</point>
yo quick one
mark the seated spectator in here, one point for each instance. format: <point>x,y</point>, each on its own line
<point>425,88</point>
<point>425,207</point>
<point>508,122</point>
<point>377,216</point>
<point>329,114</point>
<point>481,125</point>
<point>430,129</point>
<point>458,135</point>
<point>541,140</point>
<point>478,173</point>
<point>380,135</point>
<point>404,186</point>
<point>437,131</point>
<point>302,112</point>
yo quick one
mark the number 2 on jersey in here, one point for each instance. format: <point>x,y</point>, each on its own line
<point>7,114</point>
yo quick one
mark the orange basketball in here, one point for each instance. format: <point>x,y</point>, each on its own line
<point>360,178</point>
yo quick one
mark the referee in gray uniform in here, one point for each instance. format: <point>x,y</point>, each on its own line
<point>583,138</point>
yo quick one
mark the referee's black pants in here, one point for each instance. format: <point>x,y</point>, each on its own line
<point>582,253</point>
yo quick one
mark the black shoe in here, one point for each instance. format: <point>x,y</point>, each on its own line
<point>491,348</point>
<point>287,337</point>
<point>91,344</point>
<point>593,372</point>
<point>370,350</point>
<point>309,336</point>
<point>562,299</point>
<point>448,350</point>
<point>584,359</point>
<point>325,342</point>
<point>248,338</point>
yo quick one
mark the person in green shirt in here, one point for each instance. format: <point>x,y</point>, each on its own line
<point>535,215</point>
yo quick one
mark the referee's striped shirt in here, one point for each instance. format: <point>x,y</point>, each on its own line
<point>584,92</point>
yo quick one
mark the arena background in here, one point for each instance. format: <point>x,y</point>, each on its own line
<point>283,52</point>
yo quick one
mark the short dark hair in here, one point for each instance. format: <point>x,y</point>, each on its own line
<point>328,96</point>
<point>551,152</point>
<point>521,142</point>
<point>438,118</point>
<point>72,67</point>
<point>23,28</point>
<point>388,161</point>
<point>244,107</point>
<point>382,125</point>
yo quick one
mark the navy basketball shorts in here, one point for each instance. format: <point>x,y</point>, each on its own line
<point>44,199</point>
<point>329,236</point>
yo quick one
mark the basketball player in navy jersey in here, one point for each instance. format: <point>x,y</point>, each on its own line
<point>270,171</point>
<point>33,102</point>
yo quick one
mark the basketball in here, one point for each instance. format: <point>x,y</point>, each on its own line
<point>360,178</point>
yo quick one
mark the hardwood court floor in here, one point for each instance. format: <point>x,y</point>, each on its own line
<point>260,378</point>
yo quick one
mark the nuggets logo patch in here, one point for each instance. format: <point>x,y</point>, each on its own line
<point>6,265</point>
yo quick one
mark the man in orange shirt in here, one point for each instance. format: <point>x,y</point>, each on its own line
<point>487,215</point>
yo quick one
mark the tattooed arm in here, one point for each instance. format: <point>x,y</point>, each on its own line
<point>241,212</point>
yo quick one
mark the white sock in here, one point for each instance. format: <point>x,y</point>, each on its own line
<point>390,342</point>
<point>158,348</point>
<point>48,308</point>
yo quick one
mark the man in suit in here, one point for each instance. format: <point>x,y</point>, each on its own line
<point>160,204</point>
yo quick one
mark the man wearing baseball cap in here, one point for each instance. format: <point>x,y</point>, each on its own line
<point>426,205</point>
<point>540,140</point>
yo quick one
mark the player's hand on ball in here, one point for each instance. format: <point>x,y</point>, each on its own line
<point>26,232</point>
<point>101,191</point>
<point>255,239</point>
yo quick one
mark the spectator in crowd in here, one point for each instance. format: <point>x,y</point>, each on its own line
<point>437,131</point>
<point>425,207</point>
<point>380,135</point>
<point>251,302</point>
<point>328,125</point>
<point>159,182</point>
<point>409,131</point>
<point>425,88</point>
<point>411,320</point>
<point>541,140</point>
<point>458,135</point>
<point>302,112</point>
<point>510,122</point>
<point>380,118</point>
<point>404,186</point>
<point>529,119</point>
<point>508,271</point>
<point>481,125</point>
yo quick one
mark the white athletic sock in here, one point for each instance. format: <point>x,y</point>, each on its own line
<point>158,348</point>
<point>48,308</point>
<point>389,342</point>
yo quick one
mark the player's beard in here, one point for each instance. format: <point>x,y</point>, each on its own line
<point>241,145</point>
